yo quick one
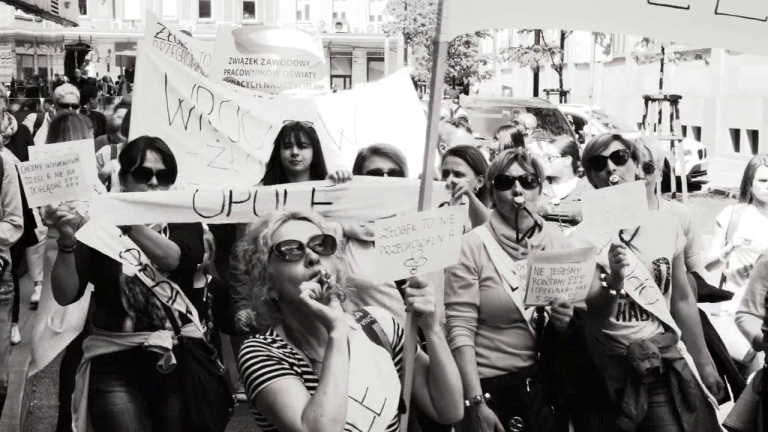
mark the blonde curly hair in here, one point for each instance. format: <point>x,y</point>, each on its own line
<point>250,261</point>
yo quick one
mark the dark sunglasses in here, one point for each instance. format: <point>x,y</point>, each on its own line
<point>599,163</point>
<point>294,250</point>
<point>143,175</point>
<point>649,168</point>
<point>69,106</point>
<point>306,124</point>
<point>503,182</point>
<point>378,172</point>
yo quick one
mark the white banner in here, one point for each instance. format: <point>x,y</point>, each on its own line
<point>270,59</point>
<point>362,199</point>
<point>222,135</point>
<point>192,53</point>
<point>734,24</point>
<point>7,61</point>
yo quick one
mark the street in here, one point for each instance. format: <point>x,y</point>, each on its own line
<point>44,405</point>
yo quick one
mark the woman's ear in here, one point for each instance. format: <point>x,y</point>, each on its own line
<point>480,182</point>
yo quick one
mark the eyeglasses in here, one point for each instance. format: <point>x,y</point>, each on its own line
<point>306,124</point>
<point>378,172</point>
<point>649,168</point>
<point>503,182</point>
<point>68,106</point>
<point>550,158</point>
<point>294,250</point>
<point>599,163</point>
<point>143,175</point>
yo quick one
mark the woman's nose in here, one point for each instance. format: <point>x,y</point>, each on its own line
<point>611,166</point>
<point>516,187</point>
<point>312,258</point>
<point>152,183</point>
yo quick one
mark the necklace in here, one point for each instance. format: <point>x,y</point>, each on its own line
<point>312,360</point>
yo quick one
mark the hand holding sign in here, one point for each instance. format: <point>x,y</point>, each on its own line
<point>420,299</point>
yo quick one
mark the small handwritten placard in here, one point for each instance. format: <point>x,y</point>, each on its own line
<point>617,207</point>
<point>559,276</point>
<point>418,243</point>
<point>55,179</point>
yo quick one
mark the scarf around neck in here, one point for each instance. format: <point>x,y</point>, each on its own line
<point>507,236</point>
<point>8,127</point>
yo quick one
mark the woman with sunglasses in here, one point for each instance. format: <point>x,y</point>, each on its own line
<point>381,160</point>
<point>493,336</point>
<point>464,168</point>
<point>644,317</point>
<point>566,183</point>
<point>126,390</point>
<point>318,368</point>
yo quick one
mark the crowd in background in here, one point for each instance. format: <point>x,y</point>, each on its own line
<point>310,329</point>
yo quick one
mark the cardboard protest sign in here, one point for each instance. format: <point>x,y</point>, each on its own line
<point>225,137</point>
<point>734,24</point>
<point>270,59</point>
<point>617,207</point>
<point>192,53</point>
<point>362,199</point>
<point>417,244</point>
<point>83,148</point>
<point>53,180</point>
<point>559,276</point>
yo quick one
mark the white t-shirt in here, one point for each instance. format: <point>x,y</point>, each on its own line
<point>752,225</point>
<point>656,244</point>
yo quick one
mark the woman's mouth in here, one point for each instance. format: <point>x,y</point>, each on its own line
<point>519,201</point>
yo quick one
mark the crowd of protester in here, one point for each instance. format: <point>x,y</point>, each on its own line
<point>310,330</point>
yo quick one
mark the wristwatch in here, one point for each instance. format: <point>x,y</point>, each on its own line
<point>477,400</point>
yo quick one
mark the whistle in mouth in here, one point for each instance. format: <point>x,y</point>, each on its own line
<point>330,289</point>
<point>519,201</point>
<point>614,180</point>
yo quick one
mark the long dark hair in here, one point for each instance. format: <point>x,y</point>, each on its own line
<point>477,163</point>
<point>275,172</point>
<point>745,191</point>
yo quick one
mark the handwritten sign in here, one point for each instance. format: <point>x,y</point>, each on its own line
<point>559,276</point>
<point>53,180</point>
<point>270,59</point>
<point>418,243</point>
<point>224,135</point>
<point>192,53</point>
<point>362,199</point>
<point>83,148</point>
<point>617,207</point>
<point>7,57</point>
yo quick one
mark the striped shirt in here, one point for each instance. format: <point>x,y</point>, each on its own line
<point>266,358</point>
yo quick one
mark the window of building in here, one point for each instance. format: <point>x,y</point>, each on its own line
<point>25,66</point>
<point>249,10</point>
<point>341,70</point>
<point>42,66</point>
<point>302,11</point>
<point>376,69</point>
<point>376,9</point>
<point>83,7</point>
<point>340,9</point>
<point>204,9</point>
<point>132,11</point>
<point>170,9</point>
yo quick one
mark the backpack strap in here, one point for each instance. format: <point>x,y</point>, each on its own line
<point>113,149</point>
<point>39,119</point>
<point>733,223</point>
<point>375,333</point>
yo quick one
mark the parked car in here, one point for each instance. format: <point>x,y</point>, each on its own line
<point>694,152</point>
<point>486,115</point>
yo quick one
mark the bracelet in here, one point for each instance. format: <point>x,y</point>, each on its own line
<point>477,400</point>
<point>67,248</point>
<point>612,291</point>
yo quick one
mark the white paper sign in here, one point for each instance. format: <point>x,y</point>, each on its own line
<point>362,199</point>
<point>222,135</point>
<point>617,207</point>
<point>735,24</point>
<point>84,148</point>
<point>278,60</point>
<point>559,276</point>
<point>192,53</point>
<point>53,180</point>
<point>417,244</point>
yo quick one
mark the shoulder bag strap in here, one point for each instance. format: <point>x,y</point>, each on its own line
<point>511,281</point>
<point>373,329</point>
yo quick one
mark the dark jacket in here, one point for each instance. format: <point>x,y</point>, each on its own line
<point>579,374</point>
<point>19,146</point>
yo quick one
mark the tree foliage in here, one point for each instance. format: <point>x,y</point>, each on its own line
<point>416,20</point>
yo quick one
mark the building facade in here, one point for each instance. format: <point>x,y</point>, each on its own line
<point>357,50</point>
<point>725,93</point>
